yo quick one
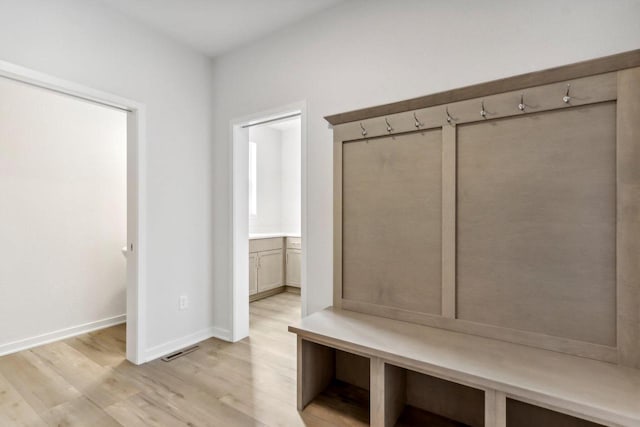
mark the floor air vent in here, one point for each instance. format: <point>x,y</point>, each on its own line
<point>180,353</point>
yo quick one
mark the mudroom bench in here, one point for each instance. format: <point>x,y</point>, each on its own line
<point>413,374</point>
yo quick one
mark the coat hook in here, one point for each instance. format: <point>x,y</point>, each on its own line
<point>389,128</point>
<point>449,118</point>
<point>417,123</point>
<point>566,98</point>
<point>483,112</point>
<point>364,131</point>
<point>522,105</point>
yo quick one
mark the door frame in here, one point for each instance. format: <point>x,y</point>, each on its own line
<point>239,214</point>
<point>136,190</point>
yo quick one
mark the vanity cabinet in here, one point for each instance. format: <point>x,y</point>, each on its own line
<point>266,266</point>
<point>273,263</point>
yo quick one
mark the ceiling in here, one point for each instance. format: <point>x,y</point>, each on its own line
<point>214,27</point>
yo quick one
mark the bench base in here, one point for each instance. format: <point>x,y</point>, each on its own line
<point>413,372</point>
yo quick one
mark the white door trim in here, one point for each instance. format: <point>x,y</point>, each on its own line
<point>136,191</point>
<point>239,218</point>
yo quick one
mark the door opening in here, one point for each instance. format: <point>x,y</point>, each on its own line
<point>269,215</point>
<point>72,193</point>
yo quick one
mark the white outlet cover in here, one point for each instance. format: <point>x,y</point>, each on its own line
<point>184,302</point>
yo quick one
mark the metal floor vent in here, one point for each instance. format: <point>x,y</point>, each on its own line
<point>180,353</point>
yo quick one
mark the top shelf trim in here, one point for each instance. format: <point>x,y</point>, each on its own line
<point>587,68</point>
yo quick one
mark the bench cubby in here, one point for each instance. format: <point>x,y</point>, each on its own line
<point>338,379</point>
<point>420,399</point>
<point>521,414</point>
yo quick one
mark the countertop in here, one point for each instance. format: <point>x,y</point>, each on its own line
<point>270,235</point>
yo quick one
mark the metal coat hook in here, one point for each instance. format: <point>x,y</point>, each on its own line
<point>417,123</point>
<point>450,119</point>
<point>566,98</point>
<point>483,112</point>
<point>389,128</point>
<point>522,105</point>
<point>364,131</point>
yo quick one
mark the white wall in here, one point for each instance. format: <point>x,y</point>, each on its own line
<point>268,179</point>
<point>278,178</point>
<point>291,179</point>
<point>88,43</point>
<point>63,222</point>
<point>363,53</point>
<point>357,54</point>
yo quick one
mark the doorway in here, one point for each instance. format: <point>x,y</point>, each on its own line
<point>130,115</point>
<point>268,213</point>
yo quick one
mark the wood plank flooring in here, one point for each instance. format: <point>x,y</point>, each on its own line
<point>86,381</point>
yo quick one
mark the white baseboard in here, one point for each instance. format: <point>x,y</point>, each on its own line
<point>27,343</point>
<point>158,351</point>
<point>222,334</point>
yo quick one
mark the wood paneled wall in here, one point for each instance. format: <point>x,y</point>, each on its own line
<point>519,223</point>
<point>392,186</point>
<point>537,223</point>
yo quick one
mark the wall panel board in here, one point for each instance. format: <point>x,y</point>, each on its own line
<point>536,237</point>
<point>391,229</point>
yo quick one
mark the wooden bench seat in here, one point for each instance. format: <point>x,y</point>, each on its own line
<point>587,389</point>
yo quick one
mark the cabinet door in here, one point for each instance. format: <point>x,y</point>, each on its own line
<point>294,257</point>
<point>253,274</point>
<point>269,270</point>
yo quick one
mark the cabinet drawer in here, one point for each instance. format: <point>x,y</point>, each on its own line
<point>258,245</point>
<point>294,243</point>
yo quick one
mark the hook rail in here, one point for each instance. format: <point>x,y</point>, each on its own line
<point>465,117</point>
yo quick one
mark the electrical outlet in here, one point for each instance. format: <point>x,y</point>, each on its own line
<point>183,302</point>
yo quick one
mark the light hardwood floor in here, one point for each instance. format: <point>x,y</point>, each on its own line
<point>86,381</point>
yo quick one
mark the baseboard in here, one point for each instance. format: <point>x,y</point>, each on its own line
<point>158,351</point>
<point>60,334</point>
<point>222,334</point>
<point>266,294</point>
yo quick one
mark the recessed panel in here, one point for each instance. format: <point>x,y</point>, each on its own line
<point>391,231</point>
<point>536,223</point>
